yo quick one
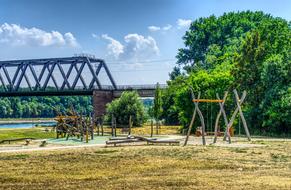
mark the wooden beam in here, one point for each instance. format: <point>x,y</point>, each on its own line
<point>208,100</point>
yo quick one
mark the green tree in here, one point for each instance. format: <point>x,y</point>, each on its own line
<point>128,104</point>
<point>263,68</point>
<point>213,40</point>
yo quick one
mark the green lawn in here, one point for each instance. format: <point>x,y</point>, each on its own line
<point>37,133</point>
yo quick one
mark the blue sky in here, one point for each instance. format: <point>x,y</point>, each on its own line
<point>138,39</point>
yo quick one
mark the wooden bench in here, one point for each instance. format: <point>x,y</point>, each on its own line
<point>131,139</point>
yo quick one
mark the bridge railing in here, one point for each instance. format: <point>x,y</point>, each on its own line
<point>103,87</point>
<point>132,87</point>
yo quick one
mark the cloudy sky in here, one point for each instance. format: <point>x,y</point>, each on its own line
<point>138,39</point>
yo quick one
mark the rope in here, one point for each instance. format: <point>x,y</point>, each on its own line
<point>207,124</point>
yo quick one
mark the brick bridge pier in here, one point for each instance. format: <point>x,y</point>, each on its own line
<point>103,97</point>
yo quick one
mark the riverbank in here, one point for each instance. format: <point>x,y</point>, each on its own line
<point>25,120</point>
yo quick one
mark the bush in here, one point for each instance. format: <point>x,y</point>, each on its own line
<point>128,104</point>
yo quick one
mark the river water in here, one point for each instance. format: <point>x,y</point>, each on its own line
<point>25,125</point>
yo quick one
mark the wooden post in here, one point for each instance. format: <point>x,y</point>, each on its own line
<point>98,126</point>
<point>157,127</point>
<point>102,129</point>
<point>217,119</point>
<point>91,123</point>
<point>242,115</point>
<point>200,116</point>
<point>87,134</point>
<point>81,128</point>
<point>152,127</point>
<point>191,124</point>
<point>203,125</point>
<point>112,125</point>
<point>129,125</point>
<point>115,124</point>
<point>225,119</point>
<point>234,114</point>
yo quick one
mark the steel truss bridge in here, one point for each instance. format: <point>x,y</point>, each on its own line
<point>79,75</point>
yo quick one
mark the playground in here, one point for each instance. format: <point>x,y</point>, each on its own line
<point>75,130</point>
<point>73,154</point>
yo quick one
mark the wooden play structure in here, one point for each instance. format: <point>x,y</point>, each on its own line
<point>74,124</point>
<point>228,123</point>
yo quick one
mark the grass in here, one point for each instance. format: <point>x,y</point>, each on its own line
<point>146,130</point>
<point>37,132</point>
<point>150,167</point>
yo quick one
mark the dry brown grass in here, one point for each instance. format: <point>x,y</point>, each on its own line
<point>146,130</point>
<point>150,167</point>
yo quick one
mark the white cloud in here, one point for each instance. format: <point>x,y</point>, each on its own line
<point>95,36</point>
<point>183,23</point>
<point>134,47</point>
<point>157,28</point>
<point>17,35</point>
<point>167,27</point>
<point>114,47</point>
<point>154,28</point>
<point>70,39</point>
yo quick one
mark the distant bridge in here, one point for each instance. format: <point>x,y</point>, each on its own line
<point>79,75</point>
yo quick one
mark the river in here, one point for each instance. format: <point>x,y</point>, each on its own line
<point>25,125</point>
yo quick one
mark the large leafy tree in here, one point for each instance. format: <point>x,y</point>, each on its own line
<point>263,68</point>
<point>129,104</point>
<point>212,40</point>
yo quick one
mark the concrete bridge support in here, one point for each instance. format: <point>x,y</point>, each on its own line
<point>100,99</point>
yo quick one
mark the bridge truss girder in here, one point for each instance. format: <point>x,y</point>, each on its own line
<point>11,83</point>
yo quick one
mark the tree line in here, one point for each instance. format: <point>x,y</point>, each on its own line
<point>43,107</point>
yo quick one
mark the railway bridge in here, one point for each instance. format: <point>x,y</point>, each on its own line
<point>78,75</point>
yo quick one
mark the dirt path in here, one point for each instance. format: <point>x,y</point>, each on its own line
<point>11,150</point>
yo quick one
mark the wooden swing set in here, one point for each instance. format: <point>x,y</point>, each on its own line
<point>228,123</point>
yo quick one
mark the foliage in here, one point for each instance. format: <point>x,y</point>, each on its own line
<point>35,107</point>
<point>170,112</point>
<point>128,104</point>
<point>207,82</point>
<point>213,40</point>
<point>244,50</point>
<point>263,68</point>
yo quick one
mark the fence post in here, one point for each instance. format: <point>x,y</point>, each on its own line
<point>112,125</point>
<point>130,123</point>
<point>152,127</point>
